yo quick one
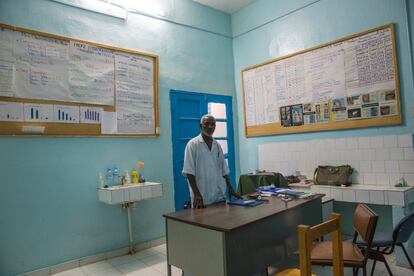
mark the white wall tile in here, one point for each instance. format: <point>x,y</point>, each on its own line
<point>405,140</point>
<point>395,198</point>
<point>326,191</point>
<point>391,167</point>
<point>406,166</point>
<point>353,163</point>
<point>352,143</point>
<point>396,154</point>
<point>409,177</point>
<point>368,154</point>
<point>301,146</point>
<point>356,178</point>
<point>364,142</point>
<point>336,194</point>
<point>348,195</point>
<point>369,178</point>
<point>344,154</point>
<point>340,143</point>
<point>376,197</point>
<point>382,154</point>
<point>390,141</point>
<point>329,144</point>
<point>365,167</point>
<point>356,155</point>
<point>408,153</point>
<point>378,166</point>
<point>377,142</point>
<point>382,179</point>
<point>394,177</point>
<point>362,196</point>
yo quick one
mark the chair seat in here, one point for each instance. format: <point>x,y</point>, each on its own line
<point>381,239</point>
<point>321,253</point>
<point>290,272</point>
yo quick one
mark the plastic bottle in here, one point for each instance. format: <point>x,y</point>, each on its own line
<point>127,177</point>
<point>134,175</point>
<point>109,177</point>
<point>115,173</point>
<point>101,181</point>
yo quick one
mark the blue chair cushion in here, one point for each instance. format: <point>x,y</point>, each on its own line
<point>381,239</point>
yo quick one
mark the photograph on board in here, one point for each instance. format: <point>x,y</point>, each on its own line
<point>285,118</point>
<point>297,114</point>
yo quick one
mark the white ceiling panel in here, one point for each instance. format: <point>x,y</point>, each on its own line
<point>228,6</point>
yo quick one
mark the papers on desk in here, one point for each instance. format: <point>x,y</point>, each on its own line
<point>278,191</point>
<point>241,202</point>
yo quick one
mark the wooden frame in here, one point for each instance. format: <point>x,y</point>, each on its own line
<point>277,129</point>
<point>65,129</point>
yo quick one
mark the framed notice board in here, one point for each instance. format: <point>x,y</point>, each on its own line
<point>348,83</point>
<point>55,85</point>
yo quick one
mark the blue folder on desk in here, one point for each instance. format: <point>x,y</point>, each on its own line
<point>241,202</point>
<point>278,191</point>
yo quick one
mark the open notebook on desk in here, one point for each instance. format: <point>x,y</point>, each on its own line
<point>279,191</point>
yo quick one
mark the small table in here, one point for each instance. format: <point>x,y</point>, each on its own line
<point>248,183</point>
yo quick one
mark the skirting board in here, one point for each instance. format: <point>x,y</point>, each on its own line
<point>92,259</point>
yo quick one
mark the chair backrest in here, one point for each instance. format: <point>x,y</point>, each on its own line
<point>364,222</point>
<point>308,234</point>
<point>404,229</point>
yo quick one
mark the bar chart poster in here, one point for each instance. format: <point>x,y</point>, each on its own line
<point>12,112</point>
<point>66,114</point>
<point>90,115</point>
<point>38,112</point>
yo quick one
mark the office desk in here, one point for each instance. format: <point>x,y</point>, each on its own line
<point>248,183</point>
<point>226,240</point>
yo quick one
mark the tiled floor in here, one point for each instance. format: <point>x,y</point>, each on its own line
<point>153,262</point>
<point>149,262</point>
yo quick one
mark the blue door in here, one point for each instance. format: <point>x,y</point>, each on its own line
<point>186,111</point>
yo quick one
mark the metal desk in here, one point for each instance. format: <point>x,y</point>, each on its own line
<point>223,240</point>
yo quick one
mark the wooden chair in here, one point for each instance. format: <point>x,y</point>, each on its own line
<point>307,235</point>
<point>364,223</point>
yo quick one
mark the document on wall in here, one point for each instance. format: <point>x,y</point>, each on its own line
<point>41,67</point>
<point>134,84</point>
<point>91,74</point>
<point>108,125</point>
<point>369,63</point>
<point>260,96</point>
<point>6,62</point>
<point>325,77</point>
<point>12,112</point>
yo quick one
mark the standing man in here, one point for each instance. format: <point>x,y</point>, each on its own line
<point>205,167</point>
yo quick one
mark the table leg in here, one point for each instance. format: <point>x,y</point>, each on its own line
<point>168,270</point>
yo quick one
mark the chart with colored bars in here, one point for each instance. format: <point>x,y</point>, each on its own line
<point>38,113</point>
<point>66,114</point>
<point>90,115</point>
<point>11,111</point>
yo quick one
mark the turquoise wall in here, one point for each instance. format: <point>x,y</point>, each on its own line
<point>49,212</point>
<point>49,209</point>
<point>268,29</point>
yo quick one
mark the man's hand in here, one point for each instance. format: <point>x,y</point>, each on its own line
<point>198,201</point>
<point>236,195</point>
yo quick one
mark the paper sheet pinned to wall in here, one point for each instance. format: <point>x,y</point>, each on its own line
<point>109,123</point>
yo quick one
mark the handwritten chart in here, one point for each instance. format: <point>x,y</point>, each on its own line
<point>355,66</point>
<point>70,86</point>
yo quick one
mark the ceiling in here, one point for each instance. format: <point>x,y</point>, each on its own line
<point>228,6</point>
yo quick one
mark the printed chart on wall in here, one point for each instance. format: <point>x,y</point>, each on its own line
<point>71,87</point>
<point>348,83</point>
